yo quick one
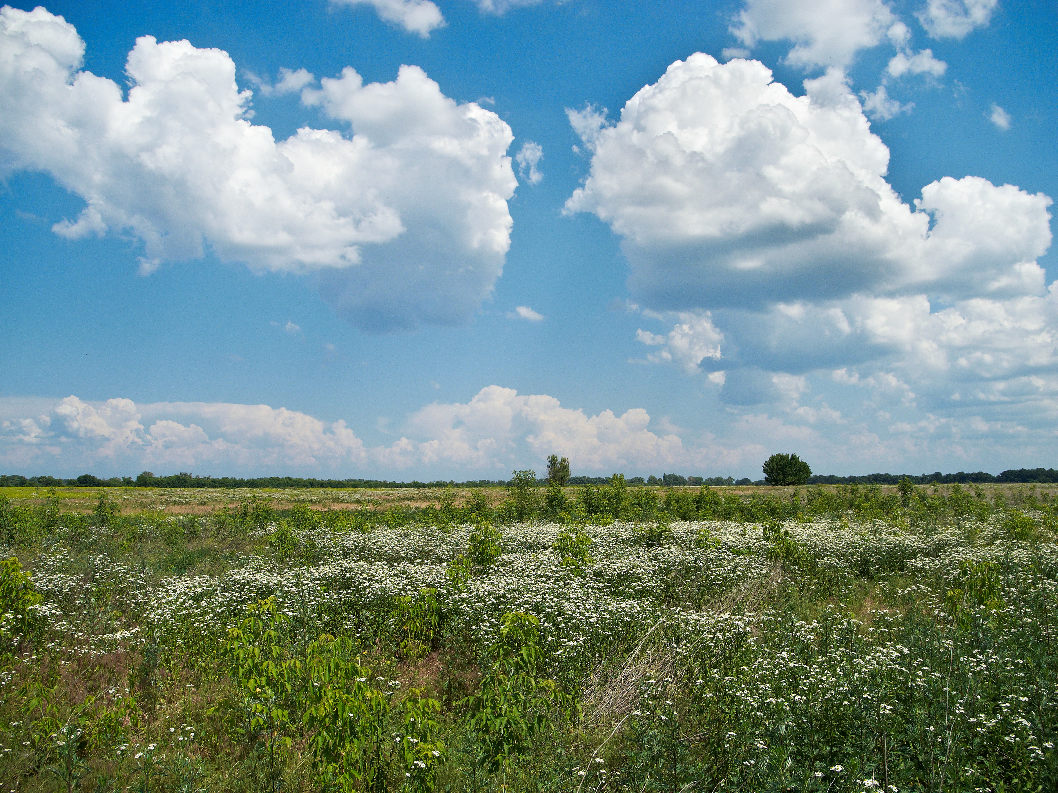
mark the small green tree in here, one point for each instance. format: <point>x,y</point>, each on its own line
<point>558,470</point>
<point>522,495</point>
<point>555,502</point>
<point>786,469</point>
<point>906,488</point>
<point>19,617</point>
<point>484,545</point>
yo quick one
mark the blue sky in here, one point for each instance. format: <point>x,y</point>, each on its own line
<point>417,240</point>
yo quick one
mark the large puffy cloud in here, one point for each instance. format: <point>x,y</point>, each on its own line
<point>728,190</point>
<point>705,131</point>
<point>114,425</point>
<point>407,214</point>
<point>443,168</point>
<point>761,228</point>
<point>497,421</point>
<point>984,240</point>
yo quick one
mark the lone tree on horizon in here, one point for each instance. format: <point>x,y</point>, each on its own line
<point>557,470</point>
<point>786,469</point>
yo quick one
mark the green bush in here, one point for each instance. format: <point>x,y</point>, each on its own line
<point>786,469</point>
<point>517,702</point>
<point>652,534</point>
<point>362,736</point>
<point>16,524</point>
<point>572,546</point>
<point>1021,527</point>
<point>483,545</point>
<point>19,617</point>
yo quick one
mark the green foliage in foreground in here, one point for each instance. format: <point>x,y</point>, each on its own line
<point>605,638</point>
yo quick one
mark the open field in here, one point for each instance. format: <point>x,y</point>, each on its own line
<point>587,639</point>
<point>192,501</point>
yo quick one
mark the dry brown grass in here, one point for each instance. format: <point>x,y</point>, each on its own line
<point>204,501</point>
<point>612,693</point>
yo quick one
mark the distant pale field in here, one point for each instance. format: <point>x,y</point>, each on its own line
<point>194,500</point>
<point>198,501</point>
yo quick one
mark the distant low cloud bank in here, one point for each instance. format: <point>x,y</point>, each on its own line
<point>496,431</point>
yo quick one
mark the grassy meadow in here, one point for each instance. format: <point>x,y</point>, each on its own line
<point>602,638</point>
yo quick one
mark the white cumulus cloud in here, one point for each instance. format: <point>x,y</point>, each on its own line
<point>526,313</point>
<point>881,107</point>
<point>113,425</point>
<point>907,62</point>
<point>825,33</point>
<point>729,191</point>
<point>421,17</point>
<point>497,421</point>
<point>999,117</point>
<point>693,340</point>
<point>956,18</point>
<point>493,433</point>
<point>761,230</point>
<point>406,211</point>
<point>528,160</point>
<point>123,436</point>
<point>499,430</point>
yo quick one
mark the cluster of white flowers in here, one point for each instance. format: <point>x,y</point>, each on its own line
<point>882,652</point>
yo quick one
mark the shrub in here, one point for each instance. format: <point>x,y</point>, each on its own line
<point>522,498</point>
<point>555,501</point>
<point>18,601</point>
<point>517,700</point>
<point>483,547</point>
<point>572,547</point>
<point>652,534</point>
<point>362,737</point>
<point>15,524</point>
<point>1019,526</point>
<point>557,470</point>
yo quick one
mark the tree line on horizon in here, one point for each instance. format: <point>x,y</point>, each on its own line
<point>188,480</point>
